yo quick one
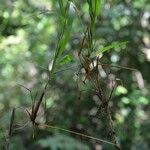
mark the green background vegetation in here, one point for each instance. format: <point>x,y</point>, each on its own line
<point>29,35</point>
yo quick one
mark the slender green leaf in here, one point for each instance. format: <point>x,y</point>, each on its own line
<point>106,48</point>
<point>65,38</point>
<point>97,7</point>
<point>66,22</point>
<point>66,31</point>
<point>61,6</point>
<point>66,59</point>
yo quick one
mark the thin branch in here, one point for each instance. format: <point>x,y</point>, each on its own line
<point>80,134</point>
<point>113,87</point>
<point>11,122</point>
<point>118,66</point>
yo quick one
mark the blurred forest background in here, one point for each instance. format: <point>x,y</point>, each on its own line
<point>28,38</point>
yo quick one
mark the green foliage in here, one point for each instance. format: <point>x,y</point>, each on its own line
<point>62,142</point>
<point>121,90</point>
<point>16,142</point>
<point>94,11</point>
<point>66,21</point>
<point>38,35</point>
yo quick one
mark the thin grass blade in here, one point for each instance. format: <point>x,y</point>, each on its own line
<point>107,48</point>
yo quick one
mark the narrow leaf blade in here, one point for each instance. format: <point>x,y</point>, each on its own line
<point>107,48</point>
<point>66,59</point>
